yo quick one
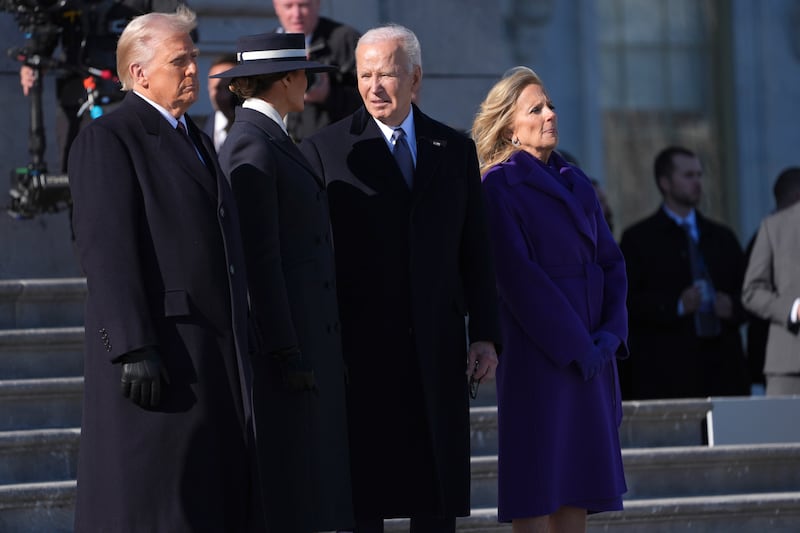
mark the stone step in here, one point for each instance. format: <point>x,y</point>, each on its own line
<point>37,507</point>
<point>41,455</point>
<point>41,352</point>
<point>682,471</point>
<point>38,455</point>
<point>40,403</point>
<point>27,303</point>
<point>651,423</point>
<point>746,513</point>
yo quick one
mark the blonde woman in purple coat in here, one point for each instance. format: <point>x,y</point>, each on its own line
<point>561,289</point>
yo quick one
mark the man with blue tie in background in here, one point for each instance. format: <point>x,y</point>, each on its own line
<point>684,278</point>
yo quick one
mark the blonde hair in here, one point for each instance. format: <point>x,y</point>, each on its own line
<point>493,120</point>
<point>139,39</point>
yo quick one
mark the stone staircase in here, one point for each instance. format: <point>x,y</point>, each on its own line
<point>676,481</point>
<point>41,386</point>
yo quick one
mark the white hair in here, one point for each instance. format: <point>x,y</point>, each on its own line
<point>137,43</point>
<point>394,32</point>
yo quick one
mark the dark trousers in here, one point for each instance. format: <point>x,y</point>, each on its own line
<point>419,524</point>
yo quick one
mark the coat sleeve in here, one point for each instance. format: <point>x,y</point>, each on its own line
<point>614,317</point>
<point>759,294</point>
<point>538,306</point>
<point>477,268</point>
<point>111,236</point>
<point>254,179</point>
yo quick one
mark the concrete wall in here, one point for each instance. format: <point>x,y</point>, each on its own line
<point>766,92</point>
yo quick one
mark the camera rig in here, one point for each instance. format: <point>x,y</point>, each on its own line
<point>33,190</point>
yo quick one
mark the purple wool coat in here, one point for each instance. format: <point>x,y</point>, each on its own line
<point>560,280</point>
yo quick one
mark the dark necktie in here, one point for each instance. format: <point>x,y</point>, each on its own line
<point>185,134</point>
<point>706,322</point>
<point>402,154</point>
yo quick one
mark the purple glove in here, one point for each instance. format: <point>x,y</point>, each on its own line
<point>592,365</point>
<point>608,343</point>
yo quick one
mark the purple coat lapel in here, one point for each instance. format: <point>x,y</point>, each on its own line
<point>524,169</point>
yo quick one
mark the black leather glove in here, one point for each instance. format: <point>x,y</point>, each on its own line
<point>296,374</point>
<point>142,372</point>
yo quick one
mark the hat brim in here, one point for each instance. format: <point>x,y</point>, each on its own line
<point>257,68</point>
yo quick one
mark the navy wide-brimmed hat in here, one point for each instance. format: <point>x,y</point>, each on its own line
<point>270,53</point>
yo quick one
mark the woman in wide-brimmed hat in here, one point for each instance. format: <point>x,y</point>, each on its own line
<point>299,373</point>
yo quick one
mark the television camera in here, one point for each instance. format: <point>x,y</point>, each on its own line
<point>33,189</point>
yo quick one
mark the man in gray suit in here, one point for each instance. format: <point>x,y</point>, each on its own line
<point>772,287</point>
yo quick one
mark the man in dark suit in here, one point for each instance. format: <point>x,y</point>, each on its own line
<point>412,260</point>
<point>684,280</point>
<point>332,95</point>
<point>158,237</point>
<point>223,101</point>
<point>298,369</point>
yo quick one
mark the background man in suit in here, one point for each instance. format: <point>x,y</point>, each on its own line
<point>223,101</point>
<point>772,286</point>
<point>331,95</point>
<point>158,237</point>
<point>786,192</point>
<point>684,280</point>
<point>412,259</point>
<point>298,369</point>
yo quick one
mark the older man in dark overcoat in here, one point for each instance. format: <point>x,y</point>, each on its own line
<point>412,261</point>
<point>165,434</point>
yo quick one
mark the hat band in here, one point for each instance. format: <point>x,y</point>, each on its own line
<point>256,55</point>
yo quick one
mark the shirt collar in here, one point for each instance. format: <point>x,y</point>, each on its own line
<point>408,127</point>
<point>257,104</point>
<point>161,109</point>
<point>690,219</point>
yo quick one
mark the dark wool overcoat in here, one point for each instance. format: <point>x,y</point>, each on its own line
<point>668,360</point>
<point>292,282</point>
<point>561,281</point>
<point>411,264</point>
<point>159,241</point>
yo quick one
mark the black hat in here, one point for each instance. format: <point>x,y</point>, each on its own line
<point>270,53</point>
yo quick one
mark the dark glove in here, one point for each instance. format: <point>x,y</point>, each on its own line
<point>296,374</point>
<point>592,365</point>
<point>608,343</point>
<point>142,372</point>
<point>605,349</point>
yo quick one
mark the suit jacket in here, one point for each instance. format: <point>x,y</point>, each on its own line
<point>410,266</point>
<point>561,281</point>
<point>158,237</point>
<point>292,285</point>
<point>209,125</point>
<point>772,283</point>
<point>667,359</point>
<point>332,43</point>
